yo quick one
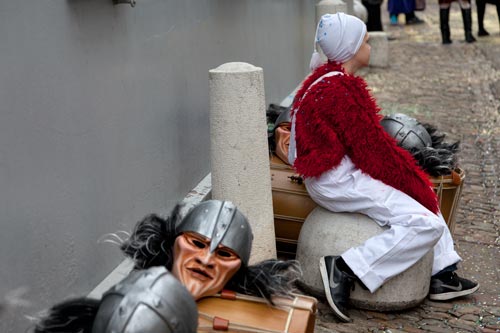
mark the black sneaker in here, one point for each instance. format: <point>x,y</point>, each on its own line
<point>449,285</point>
<point>337,286</point>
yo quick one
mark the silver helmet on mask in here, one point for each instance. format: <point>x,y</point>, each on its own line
<point>284,117</point>
<point>222,223</point>
<point>147,301</point>
<point>407,131</point>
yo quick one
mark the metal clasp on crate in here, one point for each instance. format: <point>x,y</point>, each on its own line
<point>296,179</point>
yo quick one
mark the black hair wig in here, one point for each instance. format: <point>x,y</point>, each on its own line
<point>72,316</point>
<point>440,158</point>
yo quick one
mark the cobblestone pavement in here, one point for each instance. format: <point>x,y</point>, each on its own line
<point>457,89</point>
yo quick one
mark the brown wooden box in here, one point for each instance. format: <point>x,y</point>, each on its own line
<point>253,314</point>
<point>449,190</point>
<point>291,205</point>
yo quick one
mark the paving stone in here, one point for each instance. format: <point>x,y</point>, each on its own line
<point>470,317</point>
<point>411,329</point>
<point>494,311</point>
<point>430,322</point>
<point>468,309</point>
<point>379,315</point>
<point>490,321</point>
<point>436,315</point>
<point>409,318</point>
<point>393,330</point>
<point>463,325</point>
<point>438,305</point>
<point>437,329</point>
<point>489,330</point>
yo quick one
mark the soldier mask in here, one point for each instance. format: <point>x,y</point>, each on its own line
<point>214,240</point>
<point>202,272</point>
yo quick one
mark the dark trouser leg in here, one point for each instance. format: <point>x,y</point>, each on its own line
<point>498,11</point>
<point>444,17</point>
<point>481,7</point>
<point>467,18</point>
<point>374,22</point>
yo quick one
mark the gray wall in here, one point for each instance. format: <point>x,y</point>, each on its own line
<point>104,118</point>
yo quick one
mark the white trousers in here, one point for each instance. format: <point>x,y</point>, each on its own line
<point>413,229</point>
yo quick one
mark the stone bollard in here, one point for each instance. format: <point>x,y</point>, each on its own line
<point>239,153</point>
<point>329,7</point>
<point>350,7</point>
<point>379,49</point>
<point>360,11</point>
<point>340,231</point>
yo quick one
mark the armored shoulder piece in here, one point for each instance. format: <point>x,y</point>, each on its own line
<point>407,131</point>
<point>147,301</point>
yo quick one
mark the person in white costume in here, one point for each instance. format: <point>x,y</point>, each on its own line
<point>324,117</point>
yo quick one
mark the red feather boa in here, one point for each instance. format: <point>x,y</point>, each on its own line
<point>338,116</point>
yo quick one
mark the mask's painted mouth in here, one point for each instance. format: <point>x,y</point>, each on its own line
<point>200,272</point>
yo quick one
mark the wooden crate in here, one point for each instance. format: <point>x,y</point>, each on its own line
<point>291,205</point>
<point>449,190</point>
<point>240,313</point>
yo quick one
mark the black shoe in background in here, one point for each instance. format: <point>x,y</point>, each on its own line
<point>414,20</point>
<point>338,285</point>
<point>482,32</point>
<point>449,285</point>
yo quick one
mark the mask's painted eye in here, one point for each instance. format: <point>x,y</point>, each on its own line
<point>198,244</point>
<point>195,240</point>
<point>224,253</point>
<point>286,126</point>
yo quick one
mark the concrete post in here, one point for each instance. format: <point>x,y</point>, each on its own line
<point>350,7</point>
<point>239,152</point>
<point>379,43</point>
<point>360,11</point>
<point>329,7</point>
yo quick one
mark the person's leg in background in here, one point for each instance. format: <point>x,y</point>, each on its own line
<point>395,7</point>
<point>498,10</point>
<point>481,8</point>
<point>444,19</point>
<point>409,10</point>
<point>374,22</point>
<point>411,18</point>
<point>467,19</point>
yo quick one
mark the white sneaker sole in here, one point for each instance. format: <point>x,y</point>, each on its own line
<point>326,286</point>
<point>452,294</point>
